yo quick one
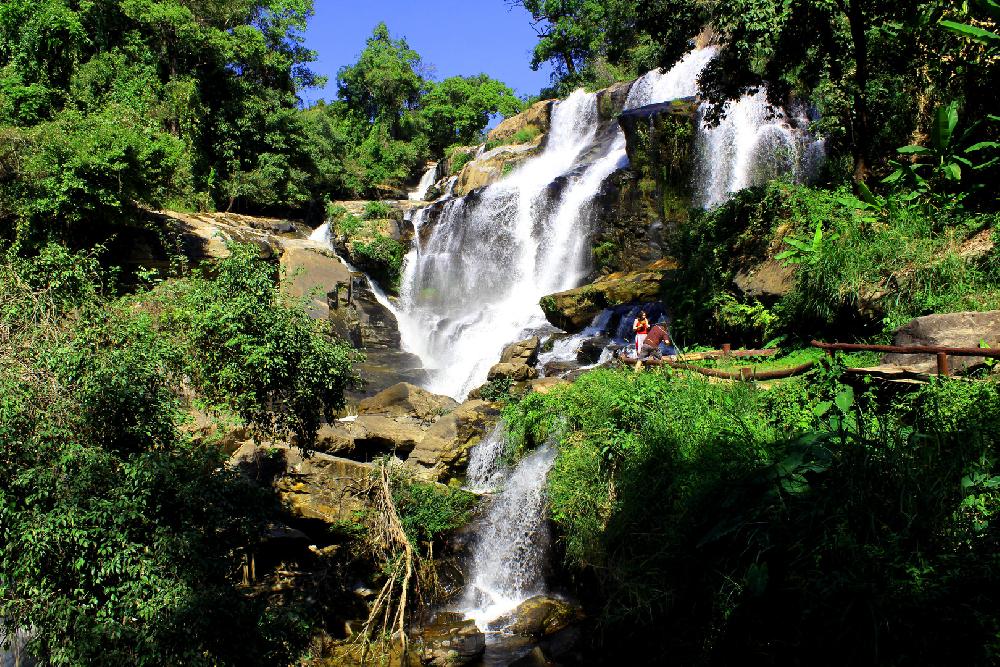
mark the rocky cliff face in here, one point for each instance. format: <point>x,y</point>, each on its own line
<point>639,206</point>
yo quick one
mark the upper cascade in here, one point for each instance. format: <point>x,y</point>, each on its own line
<point>472,282</point>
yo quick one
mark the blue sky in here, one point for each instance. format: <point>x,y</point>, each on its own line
<point>455,36</point>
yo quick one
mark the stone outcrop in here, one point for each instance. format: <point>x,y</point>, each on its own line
<point>522,352</point>
<point>966,329</point>
<point>311,272</point>
<point>451,641</point>
<point>540,616</point>
<point>535,118</point>
<point>493,165</point>
<point>611,100</point>
<point>637,208</point>
<point>768,280</point>
<point>444,451</point>
<point>574,309</point>
<point>407,400</point>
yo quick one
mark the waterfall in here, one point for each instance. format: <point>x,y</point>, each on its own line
<point>473,285</point>
<point>426,181</point>
<point>509,555</point>
<point>754,143</point>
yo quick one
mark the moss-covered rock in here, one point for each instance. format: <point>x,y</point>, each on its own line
<point>533,120</point>
<point>574,309</point>
<point>639,207</point>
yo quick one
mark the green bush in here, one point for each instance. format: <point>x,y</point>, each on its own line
<point>377,210</point>
<point>120,538</point>
<point>382,258</point>
<point>245,348</point>
<point>720,521</point>
<point>430,511</point>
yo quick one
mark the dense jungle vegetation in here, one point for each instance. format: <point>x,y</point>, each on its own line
<point>812,522</point>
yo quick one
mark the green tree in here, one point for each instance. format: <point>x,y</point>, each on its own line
<point>457,109</point>
<point>385,84</point>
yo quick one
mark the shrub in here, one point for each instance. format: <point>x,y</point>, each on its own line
<point>120,539</point>
<point>376,210</point>
<point>382,257</point>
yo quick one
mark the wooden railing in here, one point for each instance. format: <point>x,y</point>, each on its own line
<point>941,353</point>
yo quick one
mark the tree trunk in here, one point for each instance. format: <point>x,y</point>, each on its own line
<point>570,67</point>
<point>862,128</point>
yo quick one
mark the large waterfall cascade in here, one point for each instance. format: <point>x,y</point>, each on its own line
<point>472,285</point>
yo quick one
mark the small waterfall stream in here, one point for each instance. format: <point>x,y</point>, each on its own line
<point>511,550</point>
<point>426,181</point>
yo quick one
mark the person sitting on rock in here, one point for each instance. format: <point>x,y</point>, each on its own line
<point>641,327</point>
<point>651,345</point>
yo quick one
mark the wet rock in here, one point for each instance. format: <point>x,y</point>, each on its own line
<point>443,453</point>
<point>540,616</point>
<point>522,352</point>
<point>611,100</point>
<point>535,118</point>
<point>451,641</point>
<point>556,368</point>
<point>591,349</point>
<point>574,309</point>
<point>516,372</point>
<point>966,329</point>
<point>406,400</point>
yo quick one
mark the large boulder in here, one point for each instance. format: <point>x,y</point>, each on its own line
<point>443,453</point>
<point>407,400</point>
<point>319,487</point>
<point>574,309</point>
<point>540,616</point>
<point>966,329</point>
<point>515,372</point>
<point>451,640</point>
<point>378,436</point>
<point>535,118</point>
<point>493,165</point>
<point>310,272</point>
<point>522,352</point>
<point>769,279</point>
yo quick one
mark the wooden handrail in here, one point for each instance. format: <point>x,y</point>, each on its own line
<point>910,349</point>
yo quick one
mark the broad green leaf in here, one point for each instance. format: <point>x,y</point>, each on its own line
<point>867,195</point>
<point>972,32</point>
<point>945,121</point>
<point>913,150</point>
<point>894,176</point>
<point>982,145</point>
<point>952,171</point>
<point>845,399</point>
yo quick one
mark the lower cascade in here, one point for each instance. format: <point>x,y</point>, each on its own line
<point>511,546</point>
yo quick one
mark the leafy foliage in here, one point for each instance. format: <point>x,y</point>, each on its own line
<point>738,521</point>
<point>120,538</point>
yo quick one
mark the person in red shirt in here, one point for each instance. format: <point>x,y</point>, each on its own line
<point>641,327</point>
<point>651,345</point>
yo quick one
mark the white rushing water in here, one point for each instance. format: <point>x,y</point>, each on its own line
<point>426,181</point>
<point>509,556</point>
<point>472,284</point>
